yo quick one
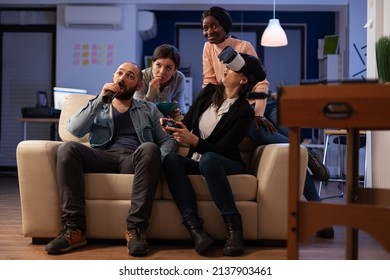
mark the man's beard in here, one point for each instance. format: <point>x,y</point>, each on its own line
<point>127,94</point>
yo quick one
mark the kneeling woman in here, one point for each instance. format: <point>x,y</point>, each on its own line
<point>213,128</point>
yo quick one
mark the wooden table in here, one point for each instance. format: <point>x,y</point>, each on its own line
<point>351,106</point>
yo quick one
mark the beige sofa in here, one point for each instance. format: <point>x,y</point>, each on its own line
<point>261,194</point>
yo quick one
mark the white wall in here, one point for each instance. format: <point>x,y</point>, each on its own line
<point>87,57</point>
<point>378,141</point>
<point>357,62</point>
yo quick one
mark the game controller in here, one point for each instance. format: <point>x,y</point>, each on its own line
<point>170,123</point>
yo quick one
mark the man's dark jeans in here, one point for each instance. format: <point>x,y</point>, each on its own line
<point>75,159</point>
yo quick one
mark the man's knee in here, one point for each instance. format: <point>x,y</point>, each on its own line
<point>150,148</point>
<point>149,151</point>
<point>66,148</point>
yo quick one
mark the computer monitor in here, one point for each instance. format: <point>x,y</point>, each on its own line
<point>61,92</point>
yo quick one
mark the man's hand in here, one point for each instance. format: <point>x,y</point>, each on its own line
<point>112,87</point>
<point>263,121</point>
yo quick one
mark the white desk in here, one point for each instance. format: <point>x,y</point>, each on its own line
<point>25,121</point>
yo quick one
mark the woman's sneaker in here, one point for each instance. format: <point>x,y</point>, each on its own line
<point>318,169</point>
<point>67,240</point>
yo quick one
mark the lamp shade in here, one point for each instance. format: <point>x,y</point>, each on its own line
<point>274,35</point>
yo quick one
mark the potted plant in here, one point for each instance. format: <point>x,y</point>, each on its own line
<point>382,48</point>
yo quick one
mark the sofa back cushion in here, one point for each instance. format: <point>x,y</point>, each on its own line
<point>71,104</point>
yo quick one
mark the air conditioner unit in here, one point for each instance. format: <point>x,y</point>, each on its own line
<point>147,26</point>
<point>93,16</point>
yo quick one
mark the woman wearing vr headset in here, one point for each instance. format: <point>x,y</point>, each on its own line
<point>216,24</point>
<point>215,125</point>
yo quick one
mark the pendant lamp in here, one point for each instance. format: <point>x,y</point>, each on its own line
<point>274,35</point>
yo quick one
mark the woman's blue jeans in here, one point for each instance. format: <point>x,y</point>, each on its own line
<point>214,168</point>
<point>262,137</point>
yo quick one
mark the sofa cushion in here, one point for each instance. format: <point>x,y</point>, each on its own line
<point>119,186</point>
<point>111,186</point>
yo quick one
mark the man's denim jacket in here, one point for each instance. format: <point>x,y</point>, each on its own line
<point>96,119</point>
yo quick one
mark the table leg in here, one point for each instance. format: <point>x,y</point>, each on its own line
<point>352,183</point>
<point>293,194</point>
<point>24,131</point>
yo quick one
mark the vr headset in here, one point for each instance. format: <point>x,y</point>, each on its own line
<point>235,62</point>
<point>232,59</point>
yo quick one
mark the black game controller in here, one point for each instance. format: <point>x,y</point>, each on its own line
<point>170,123</point>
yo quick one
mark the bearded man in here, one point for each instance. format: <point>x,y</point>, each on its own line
<point>125,136</point>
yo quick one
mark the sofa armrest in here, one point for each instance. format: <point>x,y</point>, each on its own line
<point>36,162</point>
<point>270,166</point>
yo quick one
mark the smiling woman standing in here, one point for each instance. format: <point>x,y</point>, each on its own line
<point>163,82</point>
<point>216,25</point>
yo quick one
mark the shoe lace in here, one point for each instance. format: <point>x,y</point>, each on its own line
<point>68,233</point>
